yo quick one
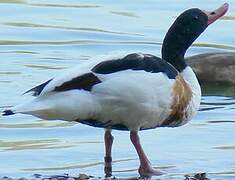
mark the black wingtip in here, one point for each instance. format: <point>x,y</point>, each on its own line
<point>7,113</point>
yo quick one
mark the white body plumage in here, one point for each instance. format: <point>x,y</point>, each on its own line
<point>133,99</point>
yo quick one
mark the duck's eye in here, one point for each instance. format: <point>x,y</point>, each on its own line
<point>195,17</point>
<point>212,13</point>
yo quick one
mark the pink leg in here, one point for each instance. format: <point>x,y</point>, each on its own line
<point>108,140</point>
<point>145,169</point>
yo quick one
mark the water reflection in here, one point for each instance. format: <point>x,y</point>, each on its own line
<point>221,121</point>
<point>224,175</point>
<point>41,144</point>
<point>65,5</point>
<point>32,144</point>
<point>218,89</point>
<point>131,170</point>
<point>216,46</point>
<point>86,29</point>
<point>128,14</point>
<point>210,108</point>
<point>44,67</point>
<point>228,18</point>
<point>13,1</point>
<point>19,52</point>
<point>9,73</point>
<point>40,124</point>
<point>77,166</point>
<point>27,2</point>
<point>226,147</point>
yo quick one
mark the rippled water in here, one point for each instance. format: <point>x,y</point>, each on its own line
<point>38,39</point>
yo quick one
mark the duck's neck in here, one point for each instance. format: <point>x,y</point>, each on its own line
<point>174,58</point>
<point>174,49</point>
<point>175,44</point>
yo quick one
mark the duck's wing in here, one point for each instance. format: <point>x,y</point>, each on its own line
<point>35,91</point>
<point>86,75</point>
<point>67,80</point>
<point>136,62</point>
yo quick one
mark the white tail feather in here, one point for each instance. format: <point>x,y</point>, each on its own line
<point>69,105</point>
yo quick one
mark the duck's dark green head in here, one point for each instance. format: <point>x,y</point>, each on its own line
<point>184,31</point>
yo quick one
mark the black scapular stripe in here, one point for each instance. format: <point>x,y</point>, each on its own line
<point>108,124</point>
<point>38,89</point>
<point>85,82</point>
<point>137,61</point>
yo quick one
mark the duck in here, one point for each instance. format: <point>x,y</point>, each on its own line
<point>206,67</point>
<point>135,92</point>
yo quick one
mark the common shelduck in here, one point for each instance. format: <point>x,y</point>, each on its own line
<point>135,92</point>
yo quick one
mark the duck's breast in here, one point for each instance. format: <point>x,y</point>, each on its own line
<point>186,99</point>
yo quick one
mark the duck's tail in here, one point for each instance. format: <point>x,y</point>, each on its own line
<point>28,107</point>
<point>7,112</point>
<point>69,105</point>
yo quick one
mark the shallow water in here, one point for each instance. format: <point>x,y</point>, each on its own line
<point>38,39</point>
